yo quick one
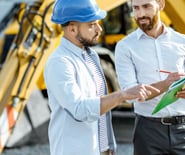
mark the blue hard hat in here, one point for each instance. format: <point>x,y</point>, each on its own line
<point>76,10</point>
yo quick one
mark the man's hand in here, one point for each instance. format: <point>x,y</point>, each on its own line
<point>181,94</point>
<point>172,77</point>
<point>140,92</point>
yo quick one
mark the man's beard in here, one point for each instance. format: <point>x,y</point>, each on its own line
<point>147,27</point>
<point>86,42</point>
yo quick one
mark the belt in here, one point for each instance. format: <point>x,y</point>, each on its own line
<point>174,120</point>
<point>108,152</point>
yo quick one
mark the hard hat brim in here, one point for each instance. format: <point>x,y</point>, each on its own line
<point>101,14</point>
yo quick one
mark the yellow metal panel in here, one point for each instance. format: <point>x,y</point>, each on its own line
<point>176,12</point>
<point>166,20</point>
<point>113,38</point>
<point>109,4</point>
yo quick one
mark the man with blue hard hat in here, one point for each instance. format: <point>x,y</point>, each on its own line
<point>80,107</point>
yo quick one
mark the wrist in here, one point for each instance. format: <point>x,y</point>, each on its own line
<point>167,83</point>
<point>123,96</point>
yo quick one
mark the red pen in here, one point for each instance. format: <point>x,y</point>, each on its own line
<point>164,71</point>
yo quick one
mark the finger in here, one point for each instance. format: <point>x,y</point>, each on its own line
<point>180,94</point>
<point>142,95</point>
<point>145,91</point>
<point>183,88</point>
<point>151,89</point>
<point>141,98</point>
<point>148,92</point>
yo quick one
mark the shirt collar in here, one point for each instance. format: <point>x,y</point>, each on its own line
<point>141,33</point>
<point>75,49</point>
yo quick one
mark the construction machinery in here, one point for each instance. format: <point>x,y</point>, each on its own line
<point>29,37</point>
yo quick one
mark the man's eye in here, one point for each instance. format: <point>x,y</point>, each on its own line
<point>135,7</point>
<point>92,25</point>
<point>146,6</point>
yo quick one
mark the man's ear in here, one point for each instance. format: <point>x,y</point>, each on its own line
<point>161,4</point>
<point>72,28</point>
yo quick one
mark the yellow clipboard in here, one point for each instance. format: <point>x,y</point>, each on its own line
<point>169,96</point>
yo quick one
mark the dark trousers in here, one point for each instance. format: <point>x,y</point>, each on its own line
<point>155,138</point>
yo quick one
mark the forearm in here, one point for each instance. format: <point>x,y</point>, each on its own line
<point>162,86</point>
<point>140,92</point>
<point>110,101</point>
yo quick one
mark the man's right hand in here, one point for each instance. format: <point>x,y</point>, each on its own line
<point>140,92</point>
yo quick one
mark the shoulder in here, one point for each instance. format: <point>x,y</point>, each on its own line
<point>175,33</point>
<point>59,55</point>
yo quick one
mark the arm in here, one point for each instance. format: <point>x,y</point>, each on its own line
<point>164,85</point>
<point>140,92</point>
<point>126,67</point>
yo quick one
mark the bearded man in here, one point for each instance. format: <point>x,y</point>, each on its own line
<point>139,58</point>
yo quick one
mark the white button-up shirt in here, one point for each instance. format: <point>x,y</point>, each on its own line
<point>75,107</point>
<point>139,56</point>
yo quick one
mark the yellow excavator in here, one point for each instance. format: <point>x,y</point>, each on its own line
<point>29,37</point>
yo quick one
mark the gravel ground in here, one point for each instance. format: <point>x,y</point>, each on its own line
<point>28,150</point>
<point>123,149</point>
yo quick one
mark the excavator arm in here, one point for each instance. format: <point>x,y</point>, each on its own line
<point>36,38</point>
